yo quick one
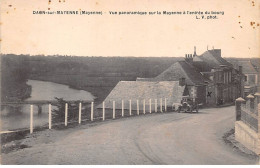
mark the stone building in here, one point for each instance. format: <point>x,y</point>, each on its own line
<point>252,81</point>
<point>226,83</point>
<point>209,77</point>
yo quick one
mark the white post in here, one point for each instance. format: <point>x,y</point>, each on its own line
<point>155,105</point>
<point>161,105</point>
<point>92,111</point>
<point>114,112</point>
<point>144,106</point>
<point>80,105</point>
<point>123,108</point>
<point>150,104</point>
<point>137,106</point>
<point>31,120</point>
<point>103,111</point>
<point>130,107</point>
<point>165,104</point>
<point>66,114</point>
<point>50,116</point>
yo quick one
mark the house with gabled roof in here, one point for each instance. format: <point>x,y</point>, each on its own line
<point>212,58</point>
<point>226,82</point>
<point>251,73</point>
<point>210,78</point>
<point>183,70</point>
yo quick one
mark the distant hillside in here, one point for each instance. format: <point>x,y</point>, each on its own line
<point>95,74</point>
<point>14,75</point>
<point>99,75</point>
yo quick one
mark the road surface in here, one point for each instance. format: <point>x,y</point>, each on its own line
<point>168,138</point>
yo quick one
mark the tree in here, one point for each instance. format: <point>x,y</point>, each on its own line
<point>59,112</point>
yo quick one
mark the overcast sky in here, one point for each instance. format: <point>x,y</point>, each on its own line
<point>113,35</point>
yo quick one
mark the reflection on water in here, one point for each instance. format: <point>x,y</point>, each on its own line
<point>48,90</point>
<point>19,116</point>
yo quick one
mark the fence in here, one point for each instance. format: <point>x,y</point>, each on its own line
<point>247,126</point>
<point>92,113</point>
<point>247,111</point>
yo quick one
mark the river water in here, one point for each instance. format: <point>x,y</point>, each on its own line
<point>19,117</point>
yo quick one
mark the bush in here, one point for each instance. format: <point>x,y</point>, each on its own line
<point>59,112</point>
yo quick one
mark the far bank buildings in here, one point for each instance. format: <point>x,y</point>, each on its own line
<point>207,77</point>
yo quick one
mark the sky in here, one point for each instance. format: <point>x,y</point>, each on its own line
<point>23,32</point>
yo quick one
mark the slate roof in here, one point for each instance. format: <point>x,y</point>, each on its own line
<point>138,90</point>
<point>201,66</point>
<point>212,58</point>
<point>182,69</point>
<point>248,67</point>
<point>192,70</point>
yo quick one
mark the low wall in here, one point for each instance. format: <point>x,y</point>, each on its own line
<point>248,137</point>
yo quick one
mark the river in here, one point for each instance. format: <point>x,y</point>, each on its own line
<point>19,117</point>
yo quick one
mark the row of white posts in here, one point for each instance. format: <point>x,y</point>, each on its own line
<point>103,112</point>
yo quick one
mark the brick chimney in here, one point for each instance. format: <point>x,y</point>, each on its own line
<point>188,58</point>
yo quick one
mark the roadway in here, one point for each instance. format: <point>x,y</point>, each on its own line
<point>168,138</point>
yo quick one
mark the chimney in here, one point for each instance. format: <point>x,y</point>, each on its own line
<point>181,81</point>
<point>188,57</point>
<point>195,54</point>
<point>240,69</point>
<point>191,58</point>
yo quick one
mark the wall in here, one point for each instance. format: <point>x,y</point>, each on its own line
<point>247,125</point>
<point>201,92</point>
<point>210,95</point>
<point>247,137</point>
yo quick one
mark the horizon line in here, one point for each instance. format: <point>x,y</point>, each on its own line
<point>58,55</point>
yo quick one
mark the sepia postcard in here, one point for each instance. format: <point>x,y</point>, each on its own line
<point>130,82</point>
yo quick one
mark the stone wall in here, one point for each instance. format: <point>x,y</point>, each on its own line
<point>248,137</point>
<point>247,125</point>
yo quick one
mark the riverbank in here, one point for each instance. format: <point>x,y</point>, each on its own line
<point>19,92</point>
<point>18,116</point>
<point>100,92</point>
